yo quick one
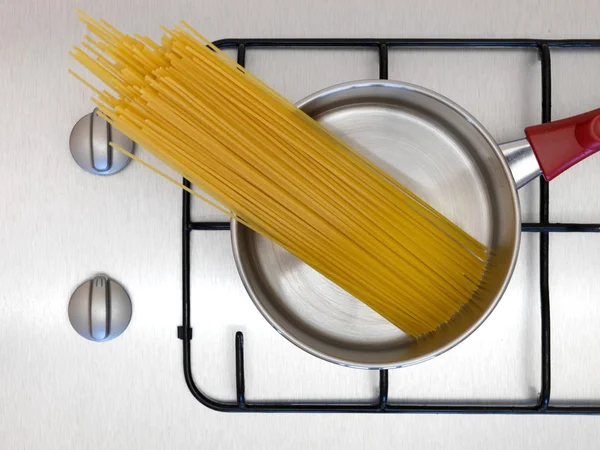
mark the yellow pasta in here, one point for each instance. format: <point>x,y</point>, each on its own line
<point>282,174</point>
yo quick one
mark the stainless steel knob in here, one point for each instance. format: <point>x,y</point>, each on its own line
<point>89,145</point>
<point>100,309</point>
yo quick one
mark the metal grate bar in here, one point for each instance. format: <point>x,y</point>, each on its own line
<point>544,399</point>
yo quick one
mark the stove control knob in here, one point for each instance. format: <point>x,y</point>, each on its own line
<point>100,309</point>
<point>89,145</point>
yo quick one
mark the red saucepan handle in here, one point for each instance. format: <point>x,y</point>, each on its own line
<point>559,145</point>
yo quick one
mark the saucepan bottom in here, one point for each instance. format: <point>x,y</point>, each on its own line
<point>444,155</point>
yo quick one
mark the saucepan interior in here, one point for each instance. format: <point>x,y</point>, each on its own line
<point>443,154</point>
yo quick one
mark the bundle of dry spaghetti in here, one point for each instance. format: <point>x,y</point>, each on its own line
<point>282,174</point>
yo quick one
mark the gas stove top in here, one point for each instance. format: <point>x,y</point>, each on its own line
<point>234,361</point>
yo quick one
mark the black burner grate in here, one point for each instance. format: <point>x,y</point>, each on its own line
<point>543,227</point>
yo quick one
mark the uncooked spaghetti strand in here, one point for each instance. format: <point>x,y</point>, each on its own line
<point>233,114</point>
<point>382,250</point>
<point>356,154</point>
<point>291,171</point>
<point>298,184</point>
<point>467,235</point>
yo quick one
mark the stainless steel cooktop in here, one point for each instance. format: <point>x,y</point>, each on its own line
<point>61,226</point>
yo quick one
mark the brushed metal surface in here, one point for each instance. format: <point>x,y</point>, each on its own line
<point>441,153</point>
<point>59,226</point>
<point>523,164</point>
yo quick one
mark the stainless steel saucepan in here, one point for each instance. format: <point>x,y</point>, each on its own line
<point>442,153</point>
